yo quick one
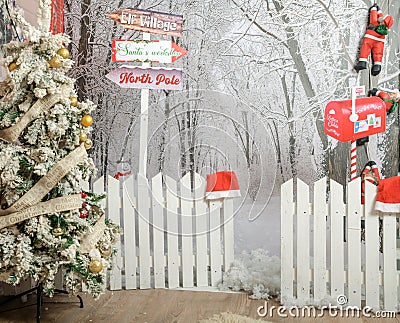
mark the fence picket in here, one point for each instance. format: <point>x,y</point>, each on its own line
<point>144,235</point>
<point>287,211</point>
<point>371,248</point>
<point>201,231</point>
<point>389,262</point>
<point>129,205</point>
<point>353,242</point>
<point>187,231</point>
<point>172,233</point>
<point>320,217</point>
<point>215,242</point>
<point>303,242</point>
<point>337,213</point>
<point>158,231</point>
<point>229,242</point>
<point>114,207</point>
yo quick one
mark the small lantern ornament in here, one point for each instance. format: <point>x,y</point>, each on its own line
<point>58,232</point>
<point>88,144</point>
<point>105,250</point>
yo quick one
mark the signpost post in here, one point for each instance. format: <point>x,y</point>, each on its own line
<point>144,122</point>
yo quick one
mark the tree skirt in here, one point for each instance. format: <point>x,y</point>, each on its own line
<point>230,318</point>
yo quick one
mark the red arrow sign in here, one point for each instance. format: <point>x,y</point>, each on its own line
<point>147,78</point>
<point>149,21</point>
<point>160,51</point>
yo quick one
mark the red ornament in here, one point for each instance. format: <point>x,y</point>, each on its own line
<point>83,213</point>
<point>83,195</point>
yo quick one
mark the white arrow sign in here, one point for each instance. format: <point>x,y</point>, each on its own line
<point>159,51</point>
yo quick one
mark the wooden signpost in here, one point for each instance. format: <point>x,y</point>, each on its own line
<point>147,51</point>
<point>158,51</point>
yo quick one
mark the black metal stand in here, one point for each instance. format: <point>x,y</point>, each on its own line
<point>39,299</point>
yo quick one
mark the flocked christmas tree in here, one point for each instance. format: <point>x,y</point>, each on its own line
<point>47,222</point>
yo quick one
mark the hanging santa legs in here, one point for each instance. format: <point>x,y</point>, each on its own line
<point>374,40</point>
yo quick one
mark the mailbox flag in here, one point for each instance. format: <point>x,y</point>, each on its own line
<point>221,185</point>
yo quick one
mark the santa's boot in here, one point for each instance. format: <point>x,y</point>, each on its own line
<point>361,65</point>
<point>373,92</point>
<point>376,69</point>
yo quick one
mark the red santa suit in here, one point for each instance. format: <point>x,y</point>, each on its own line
<point>374,40</point>
<point>391,99</point>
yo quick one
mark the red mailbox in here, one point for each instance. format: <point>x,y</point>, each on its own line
<point>371,120</point>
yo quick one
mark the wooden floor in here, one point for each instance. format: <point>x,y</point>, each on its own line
<point>152,306</point>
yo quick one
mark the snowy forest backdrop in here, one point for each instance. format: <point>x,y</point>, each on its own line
<point>258,75</point>
<point>257,78</point>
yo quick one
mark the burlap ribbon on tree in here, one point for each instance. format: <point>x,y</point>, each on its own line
<point>59,204</point>
<point>91,239</point>
<point>29,205</point>
<point>11,134</point>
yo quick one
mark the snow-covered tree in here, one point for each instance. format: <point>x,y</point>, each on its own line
<point>47,221</point>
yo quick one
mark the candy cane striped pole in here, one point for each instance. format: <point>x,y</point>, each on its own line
<point>353,160</point>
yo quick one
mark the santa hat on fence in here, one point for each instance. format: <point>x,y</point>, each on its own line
<point>388,197</point>
<point>221,185</point>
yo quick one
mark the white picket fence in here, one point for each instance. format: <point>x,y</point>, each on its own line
<point>172,237</point>
<point>322,253</point>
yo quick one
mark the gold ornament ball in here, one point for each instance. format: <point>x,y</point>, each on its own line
<point>58,232</point>
<point>63,52</point>
<point>87,121</point>
<point>88,144</point>
<point>105,250</point>
<point>83,137</point>
<point>73,101</point>
<point>13,66</point>
<point>95,266</point>
<point>55,62</point>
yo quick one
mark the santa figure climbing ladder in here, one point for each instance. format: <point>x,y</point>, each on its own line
<point>374,40</point>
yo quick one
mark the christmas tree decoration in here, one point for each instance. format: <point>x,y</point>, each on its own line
<point>87,121</point>
<point>105,250</point>
<point>58,232</point>
<point>374,40</point>
<point>13,66</point>
<point>88,144</point>
<point>42,221</point>
<point>95,266</point>
<point>83,214</point>
<point>74,101</point>
<point>83,137</point>
<point>63,52</point>
<point>55,62</point>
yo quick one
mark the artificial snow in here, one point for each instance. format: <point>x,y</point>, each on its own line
<point>256,273</point>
